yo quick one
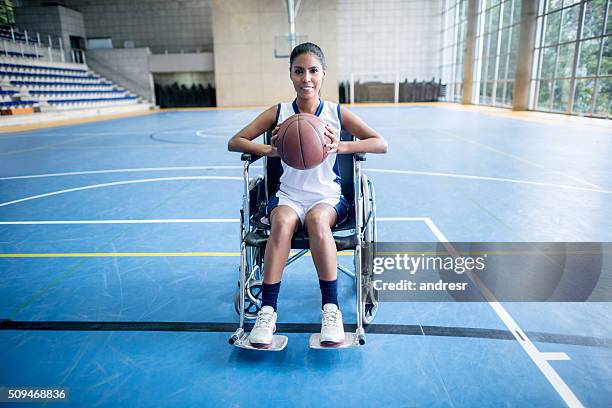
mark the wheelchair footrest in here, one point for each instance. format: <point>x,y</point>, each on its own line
<point>278,344</point>
<point>350,341</point>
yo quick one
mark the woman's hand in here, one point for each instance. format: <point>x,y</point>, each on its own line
<point>273,152</point>
<point>332,147</point>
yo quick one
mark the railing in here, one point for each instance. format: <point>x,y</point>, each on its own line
<point>29,44</point>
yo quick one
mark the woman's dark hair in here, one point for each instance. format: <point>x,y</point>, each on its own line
<point>305,48</point>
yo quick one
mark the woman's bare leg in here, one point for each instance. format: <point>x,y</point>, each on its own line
<point>319,221</point>
<point>284,223</point>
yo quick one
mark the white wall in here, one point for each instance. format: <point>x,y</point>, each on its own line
<point>389,35</point>
<point>188,62</point>
<point>126,67</point>
<point>246,72</point>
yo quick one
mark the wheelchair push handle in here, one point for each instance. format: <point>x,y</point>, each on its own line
<point>248,157</point>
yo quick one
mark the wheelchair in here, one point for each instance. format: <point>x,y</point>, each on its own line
<point>357,233</point>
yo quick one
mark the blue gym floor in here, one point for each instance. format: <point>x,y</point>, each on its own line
<point>134,221</point>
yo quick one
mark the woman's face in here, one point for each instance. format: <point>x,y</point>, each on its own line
<point>307,75</point>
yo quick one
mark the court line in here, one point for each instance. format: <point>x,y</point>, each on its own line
<point>137,255</point>
<point>45,147</point>
<point>133,146</point>
<point>122,254</point>
<point>529,116</point>
<point>117,183</point>
<point>552,356</point>
<point>61,135</point>
<point>133,170</point>
<point>230,327</point>
<point>540,359</point>
<point>486,178</point>
<point>214,132</point>
<point>74,121</point>
<point>515,157</point>
<point>390,171</point>
<point>151,254</point>
<point>166,221</point>
<point>159,221</point>
<point>539,117</point>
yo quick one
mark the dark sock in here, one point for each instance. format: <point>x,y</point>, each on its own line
<point>269,295</point>
<point>329,292</point>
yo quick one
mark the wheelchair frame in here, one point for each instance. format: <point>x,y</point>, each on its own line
<point>363,233</point>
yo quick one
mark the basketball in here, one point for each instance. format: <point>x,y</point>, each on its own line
<point>301,141</point>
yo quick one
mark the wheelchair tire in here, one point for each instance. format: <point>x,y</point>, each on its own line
<point>368,295</point>
<point>252,299</point>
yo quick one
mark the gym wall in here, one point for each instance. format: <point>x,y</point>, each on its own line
<point>56,20</point>
<point>389,36</point>
<point>161,25</point>
<point>246,72</point>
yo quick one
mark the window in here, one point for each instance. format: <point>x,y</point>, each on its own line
<point>573,58</point>
<point>454,20</point>
<point>496,51</point>
<point>7,16</point>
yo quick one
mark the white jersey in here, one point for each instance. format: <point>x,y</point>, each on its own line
<point>322,181</point>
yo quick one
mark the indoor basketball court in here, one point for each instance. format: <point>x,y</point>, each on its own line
<point>128,229</point>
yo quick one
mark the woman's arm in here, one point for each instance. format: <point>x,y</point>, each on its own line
<point>243,140</point>
<point>370,141</point>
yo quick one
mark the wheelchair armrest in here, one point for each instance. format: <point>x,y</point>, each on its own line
<point>248,157</point>
<point>251,158</point>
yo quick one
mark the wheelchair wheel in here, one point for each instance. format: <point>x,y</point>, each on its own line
<point>257,264</point>
<point>252,299</point>
<point>368,295</point>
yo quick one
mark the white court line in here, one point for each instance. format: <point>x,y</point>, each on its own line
<point>135,170</point>
<point>166,221</point>
<point>161,221</point>
<point>62,134</point>
<point>409,172</point>
<point>552,356</point>
<point>519,158</point>
<point>117,183</point>
<point>213,132</point>
<point>401,219</point>
<point>485,178</point>
<point>539,358</point>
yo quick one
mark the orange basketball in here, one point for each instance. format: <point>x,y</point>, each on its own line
<point>301,141</point>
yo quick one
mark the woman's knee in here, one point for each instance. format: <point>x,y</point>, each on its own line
<point>284,223</point>
<point>318,222</point>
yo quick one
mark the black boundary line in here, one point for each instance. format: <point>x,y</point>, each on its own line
<point>395,329</point>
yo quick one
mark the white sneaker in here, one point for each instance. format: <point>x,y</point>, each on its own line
<point>264,328</point>
<point>332,329</point>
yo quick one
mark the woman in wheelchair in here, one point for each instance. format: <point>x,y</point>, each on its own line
<point>311,198</point>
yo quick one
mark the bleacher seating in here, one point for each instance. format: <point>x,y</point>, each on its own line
<point>42,85</point>
<point>31,80</point>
